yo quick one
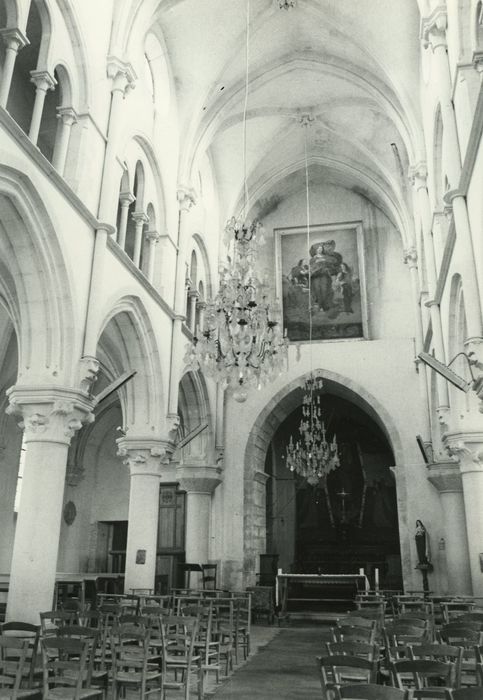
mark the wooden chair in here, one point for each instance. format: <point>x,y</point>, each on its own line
<point>14,663</point>
<point>95,677</point>
<point>461,635</point>
<point>433,678</point>
<point>208,575</point>
<point>440,652</point>
<point>243,614</point>
<point>179,636</point>
<point>133,668</point>
<point>224,630</point>
<point>455,608</point>
<point>32,670</point>
<point>51,620</point>
<point>339,669</point>
<point>262,603</point>
<point>352,633</point>
<point>66,669</point>
<point>466,694</point>
<point>365,651</point>
<point>370,691</point>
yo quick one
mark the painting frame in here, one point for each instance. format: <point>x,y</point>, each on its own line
<point>333,322</point>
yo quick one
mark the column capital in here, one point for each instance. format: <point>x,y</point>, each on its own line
<point>43,80</point>
<point>121,73</point>
<point>193,294</point>
<point>13,38</point>
<point>88,371</point>
<point>140,217</point>
<point>433,27</point>
<point>173,420</point>
<point>152,236</point>
<point>199,479</point>
<point>410,257</point>
<point>477,60</point>
<point>49,414</point>
<point>186,197</point>
<point>445,476</point>
<point>418,175</point>
<point>466,448</point>
<point>126,198</point>
<point>143,456</point>
<point>68,115</point>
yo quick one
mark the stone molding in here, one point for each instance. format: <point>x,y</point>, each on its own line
<point>14,38</point>
<point>88,371</point>
<point>126,198</point>
<point>143,457</point>
<point>139,217</point>
<point>261,477</point>
<point>418,175</point>
<point>433,27</point>
<point>199,479</point>
<point>410,257</point>
<point>43,80</point>
<point>50,414</point>
<point>466,448</point>
<point>67,115</point>
<point>186,196</point>
<point>152,236</point>
<point>446,477</point>
<point>121,73</point>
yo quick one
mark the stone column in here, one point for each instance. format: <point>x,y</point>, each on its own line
<point>201,308</point>
<point>50,417</point>
<point>152,239</point>
<point>43,81</point>
<point>144,458</point>
<point>14,40</point>
<point>122,76</point>
<point>126,199</point>
<point>193,296</point>
<point>411,260</point>
<point>446,477</point>
<point>139,219</point>
<point>186,199</point>
<point>418,175</point>
<point>434,35</point>
<point>67,117</point>
<point>467,448</point>
<point>199,484</point>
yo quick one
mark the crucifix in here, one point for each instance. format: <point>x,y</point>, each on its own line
<point>343,495</point>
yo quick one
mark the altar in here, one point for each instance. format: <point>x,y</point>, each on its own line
<point>293,591</point>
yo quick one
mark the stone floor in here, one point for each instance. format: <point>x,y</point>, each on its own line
<point>282,668</point>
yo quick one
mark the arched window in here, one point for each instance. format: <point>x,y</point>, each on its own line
<point>21,97</point>
<point>54,133</point>
<point>136,218</point>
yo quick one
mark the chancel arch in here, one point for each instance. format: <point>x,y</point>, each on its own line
<point>369,445</point>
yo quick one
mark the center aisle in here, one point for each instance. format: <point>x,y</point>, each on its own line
<point>284,668</point>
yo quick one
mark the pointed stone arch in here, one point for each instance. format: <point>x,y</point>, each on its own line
<point>126,341</point>
<point>263,429</point>
<point>34,285</point>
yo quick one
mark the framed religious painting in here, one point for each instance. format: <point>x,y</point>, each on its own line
<point>323,273</point>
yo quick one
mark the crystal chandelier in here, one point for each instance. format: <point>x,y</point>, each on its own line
<point>312,456</point>
<point>242,343</point>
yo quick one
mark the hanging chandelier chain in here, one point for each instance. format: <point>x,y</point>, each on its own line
<point>311,456</point>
